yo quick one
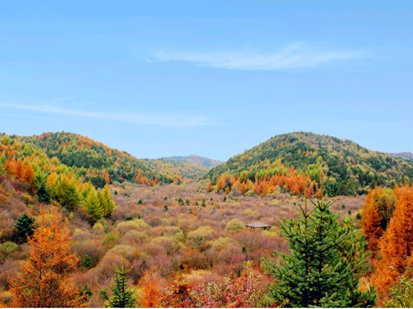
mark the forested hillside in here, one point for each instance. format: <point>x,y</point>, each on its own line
<point>97,161</point>
<point>179,170</point>
<point>26,171</point>
<point>348,168</point>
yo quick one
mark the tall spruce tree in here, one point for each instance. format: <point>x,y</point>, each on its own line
<point>122,297</point>
<point>325,262</point>
<point>24,227</point>
<point>43,194</point>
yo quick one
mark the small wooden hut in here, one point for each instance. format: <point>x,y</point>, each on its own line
<point>258,225</point>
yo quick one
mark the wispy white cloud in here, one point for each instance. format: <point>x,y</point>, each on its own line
<point>296,55</point>
<point>136,118</point>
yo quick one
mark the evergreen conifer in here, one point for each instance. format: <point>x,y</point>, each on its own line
<point>122,297</point>
<point>325,262</point>
<point>24,227</point>
<point>43,194</point>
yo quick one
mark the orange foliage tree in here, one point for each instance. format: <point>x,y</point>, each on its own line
<point>28,174</point>
<point>371,223</point>
<point>44,278</point>
<point>209,188</point>
<point>220,184</point>
<point>396,243</point>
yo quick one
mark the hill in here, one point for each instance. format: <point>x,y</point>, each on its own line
<point>403,155</point>
<point>348,167</point>
<point>96,161</point>
<point>28,174</point>
<point>202,161</point>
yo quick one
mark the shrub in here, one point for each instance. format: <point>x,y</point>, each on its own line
<point>235,225</point>
<point>89,247</point>
<point>106,267</point>
<point>79,235</point>
<point>162,263</point>
<point>8,248</point>
<point>137,224</point>
<point>245,291</point>
<point>8,269</point>
<point>135,237</point>
<point>110,240</point>
<point>169,244</point>
<point>222,242</point>
<point>124,250</point>
<point>194,259</point>
<point>204,231</point>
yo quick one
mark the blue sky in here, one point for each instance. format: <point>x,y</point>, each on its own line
<point>212,78</point>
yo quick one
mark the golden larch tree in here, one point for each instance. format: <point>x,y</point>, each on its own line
<point>396,244</point>
<point>44,278</point>
<point>371,223</point>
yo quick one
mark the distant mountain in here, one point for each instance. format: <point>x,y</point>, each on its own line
<point>348,167</point>
<point>403,155</point>
<point>90,158</point>
<point>206,162</point>
<point>186,170</point>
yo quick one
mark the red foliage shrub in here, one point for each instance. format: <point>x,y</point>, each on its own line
<point>193,259</point>
<point>243,292</point>
<point>151,289</point>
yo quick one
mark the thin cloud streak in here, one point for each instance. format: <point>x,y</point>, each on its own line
<point>291,57</point>
<point>135,118</point>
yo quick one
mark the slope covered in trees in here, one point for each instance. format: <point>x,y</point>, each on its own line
<point>348,168</point>
<point>98,162</point>
<point>178,170</point>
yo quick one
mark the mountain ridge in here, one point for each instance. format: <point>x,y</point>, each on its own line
<point>404,155</point>
<point>200,160</point>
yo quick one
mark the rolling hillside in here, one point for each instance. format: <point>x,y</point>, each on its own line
<point>348,167</point>
<point>93,159</point>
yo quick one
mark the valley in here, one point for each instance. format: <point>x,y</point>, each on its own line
<point>169,221</point>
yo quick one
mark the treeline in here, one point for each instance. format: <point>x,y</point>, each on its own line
<point>349,169</point>
<point>277,177</point>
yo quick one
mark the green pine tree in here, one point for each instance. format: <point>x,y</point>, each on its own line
<point>325,262</point>
<point>24,227</point>
<point>122,297</point>
<point>43,194</point>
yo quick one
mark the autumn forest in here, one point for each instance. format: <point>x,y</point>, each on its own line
<point>85,225</point>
